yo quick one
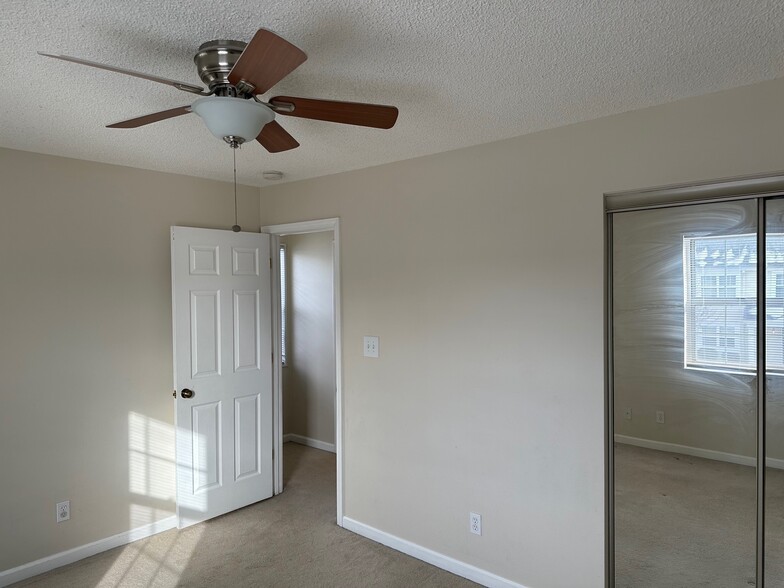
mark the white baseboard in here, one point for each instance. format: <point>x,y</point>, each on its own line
<point>302,440</point>
<point>698,452</point>
<point>63,558</point>
<point>439,560</point>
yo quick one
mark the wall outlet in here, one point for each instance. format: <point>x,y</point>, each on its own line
<point>475,523</point>
<point>63,511</point>
<point>660,417</point>
<point>371,346</point>
<point>627,414</point>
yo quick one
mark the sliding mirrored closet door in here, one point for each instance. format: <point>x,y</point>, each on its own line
<point>774,393</point>
<point>684,412</point>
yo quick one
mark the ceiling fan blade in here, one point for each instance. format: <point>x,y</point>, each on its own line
<point>348,113</point>
<point>266,60</point>
<point>274,138</point>
<point>184,86</point>
<point>140,121</point>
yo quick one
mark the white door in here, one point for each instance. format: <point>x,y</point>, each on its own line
<point>222,370</point>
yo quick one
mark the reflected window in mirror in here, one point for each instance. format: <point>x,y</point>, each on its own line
<point>720,308</point>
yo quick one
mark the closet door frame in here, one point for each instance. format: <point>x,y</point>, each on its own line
<point>759,188</point>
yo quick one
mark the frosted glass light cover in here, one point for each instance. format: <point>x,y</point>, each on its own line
<point>233,117</point>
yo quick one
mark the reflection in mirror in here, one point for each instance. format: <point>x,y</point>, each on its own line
<point>774,394</point>
<point>684,414</point>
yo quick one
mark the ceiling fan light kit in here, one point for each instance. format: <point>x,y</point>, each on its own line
<point>233,119</point>
<point>236,73</point>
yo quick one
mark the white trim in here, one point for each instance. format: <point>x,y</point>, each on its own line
<point>428,555</point>
<point>298,228</point>
<point>277,374</point>
<point>310,442</point>
<point>338,368</point>
<point>317,226</point>
<point>46,564</point>
<point>746,460</point>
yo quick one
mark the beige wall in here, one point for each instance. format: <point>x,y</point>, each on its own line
<point>481,271</point>
<point>85,344</point>
<point>309,375</point>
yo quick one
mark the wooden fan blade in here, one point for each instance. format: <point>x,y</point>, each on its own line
<point>266,60</point>
<point>184,86</point>
<point>140,121</point>
<point>275,139</point>
<point>348,113</point>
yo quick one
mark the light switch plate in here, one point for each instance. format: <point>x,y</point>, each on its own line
<point>371,347</point>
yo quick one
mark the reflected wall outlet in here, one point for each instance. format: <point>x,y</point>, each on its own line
<point>627,414</point>
<point>475,523</point>
<point>63,511</point>
<point>371,347</point>
<point>660,417</point>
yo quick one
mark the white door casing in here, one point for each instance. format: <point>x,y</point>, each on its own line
<point>223,354</point>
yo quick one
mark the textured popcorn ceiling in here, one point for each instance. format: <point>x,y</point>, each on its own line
<point>462,72</point>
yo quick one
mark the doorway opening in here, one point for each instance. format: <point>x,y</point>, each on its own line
<point>306,316</point>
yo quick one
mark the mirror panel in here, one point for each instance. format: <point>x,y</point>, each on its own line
<point>774,393</point>
<point>684,414</point>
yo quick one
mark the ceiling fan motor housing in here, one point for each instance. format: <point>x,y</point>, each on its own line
<point>214,61</point>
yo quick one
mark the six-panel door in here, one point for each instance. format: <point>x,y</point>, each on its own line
<point>223,354</point>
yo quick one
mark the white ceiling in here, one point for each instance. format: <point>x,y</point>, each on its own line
<point>462,72</point>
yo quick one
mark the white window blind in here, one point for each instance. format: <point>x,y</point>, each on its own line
<point>720,305</point>
<point>283,304</point>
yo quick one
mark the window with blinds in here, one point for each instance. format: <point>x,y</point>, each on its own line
<point>283,304</point>
<point>720,306</point>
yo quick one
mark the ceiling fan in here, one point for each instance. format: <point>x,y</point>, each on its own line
<point>236,73</point>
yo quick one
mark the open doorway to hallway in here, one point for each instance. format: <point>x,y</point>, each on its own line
<point>308,339</point>
<point>307,317</point>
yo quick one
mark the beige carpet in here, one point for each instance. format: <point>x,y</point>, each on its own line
<point>684,521</point>
<point>290,540</point>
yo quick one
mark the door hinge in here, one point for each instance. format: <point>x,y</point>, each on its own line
<point>270,260</point>
<point>174,393</point>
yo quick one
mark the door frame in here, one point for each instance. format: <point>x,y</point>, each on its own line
<point>757,187</point>
<point>298,228</point>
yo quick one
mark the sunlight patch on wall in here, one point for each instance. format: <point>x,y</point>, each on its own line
<point>151,469</point>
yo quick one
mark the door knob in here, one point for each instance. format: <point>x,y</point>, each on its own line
<point>186,393</point>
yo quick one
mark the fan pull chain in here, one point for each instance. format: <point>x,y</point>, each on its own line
<point>236,228</point>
